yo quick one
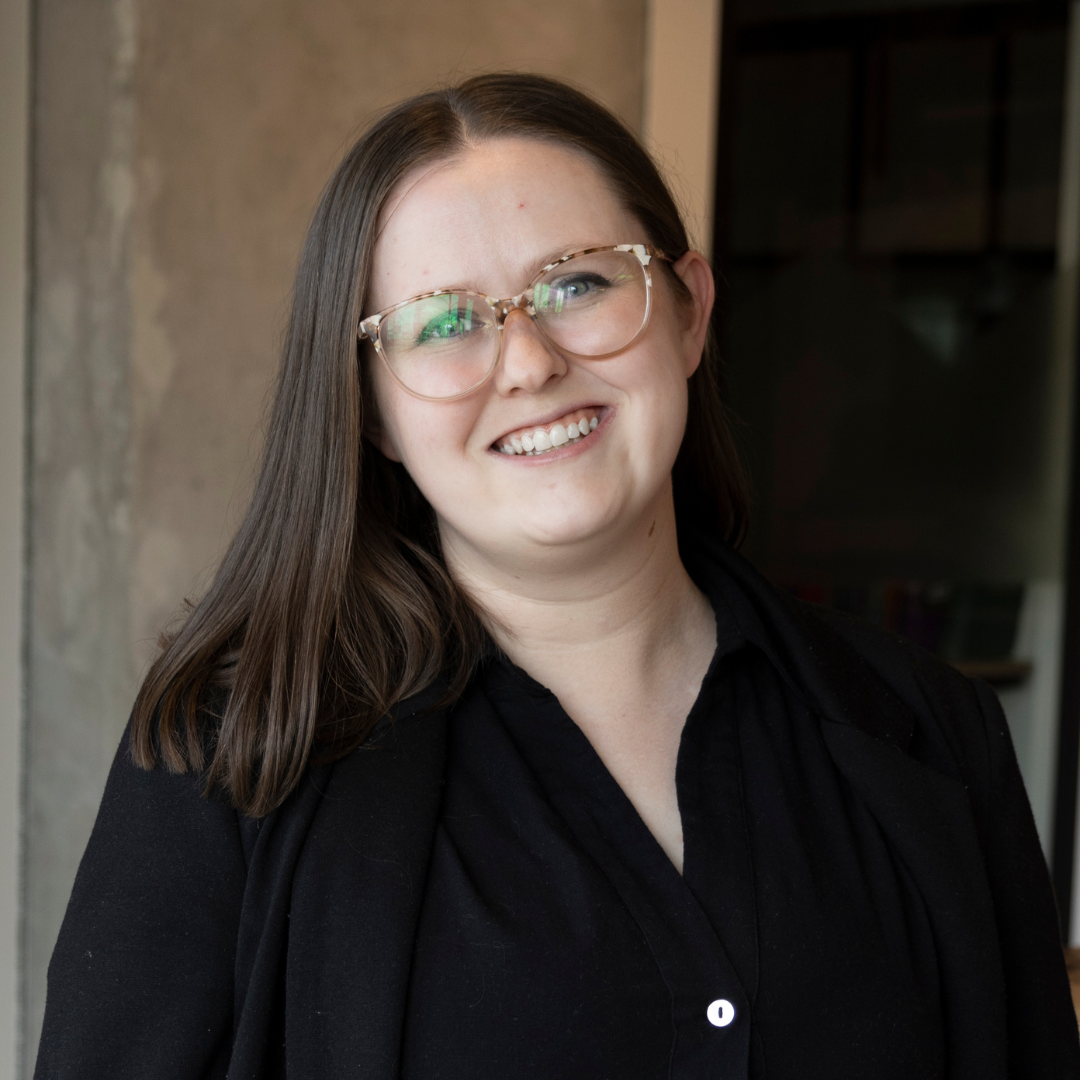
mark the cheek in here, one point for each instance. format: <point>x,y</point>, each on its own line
<point>377,403</point>
<point>659,398</point>
<point>405,426</point>
<point>419,441</point>
<point>657,381</point>
<point>429,438</point>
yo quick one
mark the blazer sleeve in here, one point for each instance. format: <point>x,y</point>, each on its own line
<point>1042,1028</point>
<point>140,984</point>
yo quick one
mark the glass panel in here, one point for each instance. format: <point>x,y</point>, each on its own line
<point>1033,155</point>
<point>896,328</point>
<point>927,166</point>
<point>791,173</point>
<point>753,11</point>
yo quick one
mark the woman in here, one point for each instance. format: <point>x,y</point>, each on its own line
<point>512,767</point>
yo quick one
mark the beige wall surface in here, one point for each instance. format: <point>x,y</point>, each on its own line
<point>179,151</point>
<point>243,109</point>
<point>682,73</point>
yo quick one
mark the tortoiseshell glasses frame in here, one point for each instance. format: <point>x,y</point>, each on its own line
<point>589,315</point>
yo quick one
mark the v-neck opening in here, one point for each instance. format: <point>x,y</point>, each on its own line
<point>689,951</point>
<point>539,692</point>
<point>729,639</point>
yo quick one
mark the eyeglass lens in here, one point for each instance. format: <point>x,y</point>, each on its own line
<point>443,346</point>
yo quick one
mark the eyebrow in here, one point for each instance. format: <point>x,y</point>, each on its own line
<point>552,256</point>
<point>555,256</point>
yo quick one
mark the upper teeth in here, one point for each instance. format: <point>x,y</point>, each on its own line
<point>542,440</point>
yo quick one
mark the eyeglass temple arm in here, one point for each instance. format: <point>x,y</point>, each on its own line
<point>369,328</point>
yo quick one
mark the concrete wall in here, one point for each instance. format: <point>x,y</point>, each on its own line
<point>179,150</point>
<point>81,670</point>
<point>14,153</point>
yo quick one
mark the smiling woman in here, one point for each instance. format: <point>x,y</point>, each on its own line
<point>485,754</point>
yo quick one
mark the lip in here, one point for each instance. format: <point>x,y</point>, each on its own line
<point>551,417</point>
<point>606,412</point>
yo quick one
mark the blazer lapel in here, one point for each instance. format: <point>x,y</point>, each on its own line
<point>275,846</point>
<point>356,900</point>
<point>829,675</point>
<point>924,812</point>
<point>926,819</point>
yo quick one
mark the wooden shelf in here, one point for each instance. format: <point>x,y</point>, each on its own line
<point>995,672</point>
<point>1072,962</point>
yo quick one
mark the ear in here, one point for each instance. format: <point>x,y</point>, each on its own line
<point>696,274</point>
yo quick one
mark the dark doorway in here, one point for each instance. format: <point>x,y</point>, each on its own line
<point>891,313</point>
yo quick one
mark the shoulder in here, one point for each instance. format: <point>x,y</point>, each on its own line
<point>957,724</point>
<point>919,678</point>
<point>861,676</point>
<point>150,932</point>
<point>160,809</point>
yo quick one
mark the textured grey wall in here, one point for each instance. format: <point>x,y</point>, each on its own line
<point>14,206</point>
<point>81,670</point>
<point>179,150</point>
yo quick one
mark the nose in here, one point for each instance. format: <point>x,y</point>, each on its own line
<point>528,362</point>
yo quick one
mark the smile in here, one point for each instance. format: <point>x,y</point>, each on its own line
<point>535,441</point>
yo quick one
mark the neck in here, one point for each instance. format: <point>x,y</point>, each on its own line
<point>620,609</point>
<point>621,635</point>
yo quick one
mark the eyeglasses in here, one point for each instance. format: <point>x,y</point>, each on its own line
<point>444,344</point>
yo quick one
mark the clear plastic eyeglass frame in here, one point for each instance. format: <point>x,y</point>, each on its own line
<point>645,253</point>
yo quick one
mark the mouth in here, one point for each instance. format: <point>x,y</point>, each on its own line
<point>539,439</point>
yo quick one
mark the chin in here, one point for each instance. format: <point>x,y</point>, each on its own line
<point>574,526</point>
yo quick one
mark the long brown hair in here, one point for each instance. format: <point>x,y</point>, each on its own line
<point>333,602</point>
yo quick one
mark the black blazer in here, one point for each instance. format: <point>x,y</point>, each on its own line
<point>202,944</point>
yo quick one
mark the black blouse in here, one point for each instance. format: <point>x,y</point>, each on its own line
<point>557,939</point>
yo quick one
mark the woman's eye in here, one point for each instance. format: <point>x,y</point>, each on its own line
<point>569,291</point>
<point>447,325</point>
<point>579,286</point>
<point>444,327</point>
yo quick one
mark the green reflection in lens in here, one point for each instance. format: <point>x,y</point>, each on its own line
<point>445,325</point>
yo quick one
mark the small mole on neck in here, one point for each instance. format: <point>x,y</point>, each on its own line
<point>521,206</point>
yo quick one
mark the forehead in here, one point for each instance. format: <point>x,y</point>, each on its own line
<point>489,218</point>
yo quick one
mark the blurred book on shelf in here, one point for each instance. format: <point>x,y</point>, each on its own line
<point>972,626</point>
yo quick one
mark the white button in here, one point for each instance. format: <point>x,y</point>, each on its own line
<point>720,1013</point>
